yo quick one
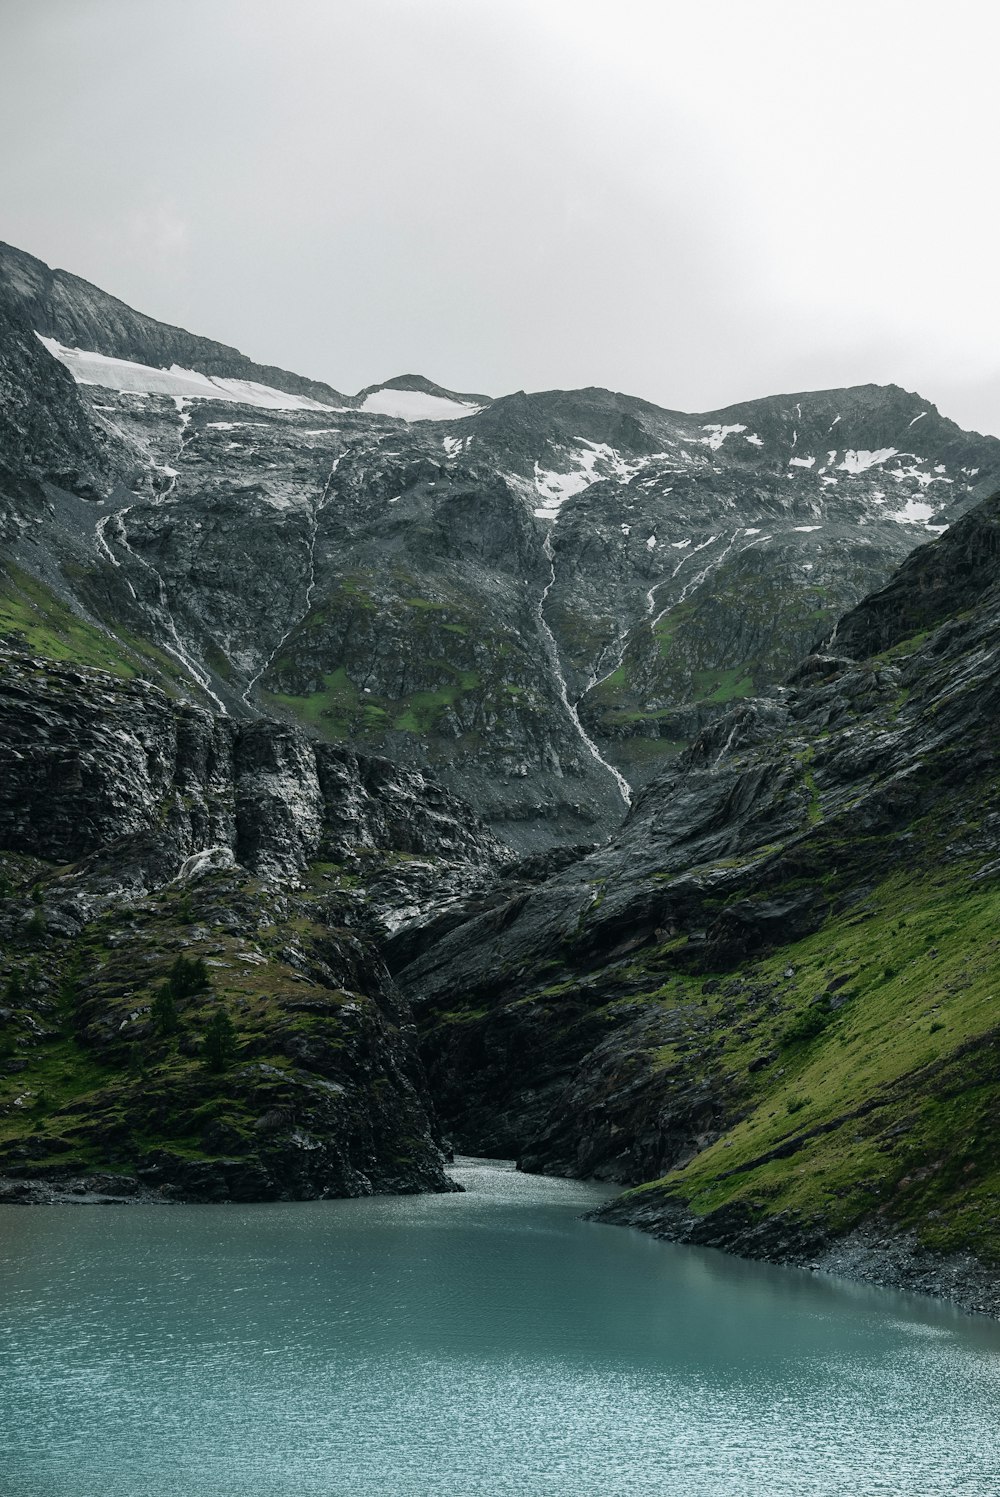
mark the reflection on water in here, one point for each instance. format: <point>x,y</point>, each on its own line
<point>489,1344</point>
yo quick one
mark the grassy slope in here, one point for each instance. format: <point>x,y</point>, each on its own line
<point>880,1082</point>
<point>34,616</point>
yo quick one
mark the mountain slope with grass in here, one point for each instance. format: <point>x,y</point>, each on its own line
<point>773,1001</point>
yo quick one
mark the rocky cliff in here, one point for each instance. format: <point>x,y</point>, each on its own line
<point>173,881</point>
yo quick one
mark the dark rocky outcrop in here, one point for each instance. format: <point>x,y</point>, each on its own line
<point>47,433</point>
<point>139,832</point>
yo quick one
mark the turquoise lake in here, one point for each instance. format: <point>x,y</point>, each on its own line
<point>465,1345</point>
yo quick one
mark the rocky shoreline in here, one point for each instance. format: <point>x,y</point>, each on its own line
<point>211,1187</point>
<point>872,1253</point>
<point>80,1190</point>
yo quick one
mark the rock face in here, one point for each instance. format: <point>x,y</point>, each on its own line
<point>538,599</point>
<point>775,987</point>
<point>140,832</point>
<point>47,432</point>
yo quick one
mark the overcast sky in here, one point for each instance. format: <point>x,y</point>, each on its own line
<point>697,202</point>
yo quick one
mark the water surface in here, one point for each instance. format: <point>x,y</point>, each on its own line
<point>481,1345</point>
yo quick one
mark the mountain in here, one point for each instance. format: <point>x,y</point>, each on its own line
<point>538,599</point>
<point>770,1002</point>
<point>551,775</point>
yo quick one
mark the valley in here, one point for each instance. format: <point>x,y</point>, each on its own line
<point>547,776</point>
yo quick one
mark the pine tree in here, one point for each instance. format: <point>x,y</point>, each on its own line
<point>164,1011</point>
<point>220,1041</point>
<point>188,977</point>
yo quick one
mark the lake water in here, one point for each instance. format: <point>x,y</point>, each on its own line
<point>481,1345</point>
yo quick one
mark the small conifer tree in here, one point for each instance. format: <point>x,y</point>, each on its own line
<point>188,976</point>
<point>220,1041</point>
<point>164,1010</point>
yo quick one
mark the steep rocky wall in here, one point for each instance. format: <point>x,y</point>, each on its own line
<point>47,434</point>
<point>167,876</point>
<point>91,766</point>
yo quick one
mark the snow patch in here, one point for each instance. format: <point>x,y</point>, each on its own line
<point>416,405</point>
<point>914,512</point>
<point>917,474</point>
<point>860,462</point>
<point>801,462</point>
<point>183,384</point>
<point>555,488</point>
<point>755,440</point>
<point>718,434</point>
<point>805,528</point>
<point>918,418</point>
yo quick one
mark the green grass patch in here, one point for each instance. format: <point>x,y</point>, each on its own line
<point>885,1090</point>
<point>32,614</point>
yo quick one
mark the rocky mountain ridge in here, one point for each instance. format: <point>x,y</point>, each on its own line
<point>538,599</point>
